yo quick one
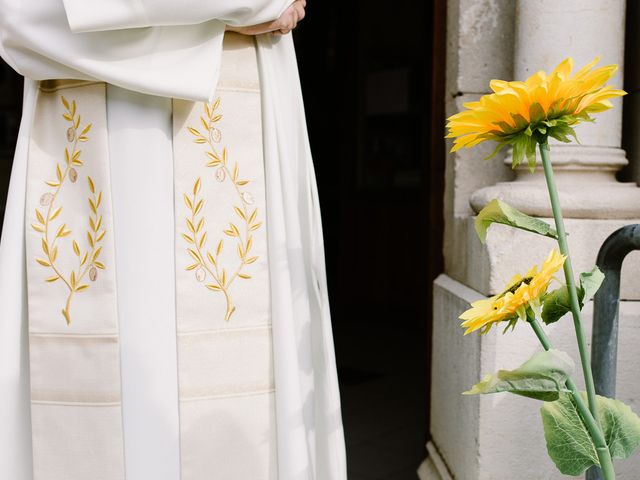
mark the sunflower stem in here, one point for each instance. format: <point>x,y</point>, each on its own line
<point>592,425</point>
<point>568,273</point>
<point>604,456</point>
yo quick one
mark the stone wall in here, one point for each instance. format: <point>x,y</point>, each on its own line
<point>499,437</point>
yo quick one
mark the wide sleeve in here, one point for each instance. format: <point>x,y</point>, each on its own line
<point>97,15</point>
<point>175,59</point>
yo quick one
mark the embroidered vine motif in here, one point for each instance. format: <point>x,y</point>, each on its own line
<point>88,263</point>
<point>208,263</point>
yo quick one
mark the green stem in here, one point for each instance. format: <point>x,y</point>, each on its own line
<point>604,455</point>
<point>568,273</point>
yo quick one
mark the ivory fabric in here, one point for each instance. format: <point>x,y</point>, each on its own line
<point>177,54</point>
<point>72,303</point>
<point>141,162</point>
<point>227,391</point>
<point>301,398</point>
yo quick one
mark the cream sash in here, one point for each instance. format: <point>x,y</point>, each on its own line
<point>223,314</point>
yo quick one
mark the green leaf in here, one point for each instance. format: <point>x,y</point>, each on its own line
<point>496,211</point>
<point>519,147</point>
<point>557,303</point>
<point>621,427</point>
<point>536,113</point>
<point>568,442</point>
<point>542,377</point>
<point>589,284</point>
<point>497,150</point>
<point>562,132</point>
<point>520,122</point>
<point>531,154</point>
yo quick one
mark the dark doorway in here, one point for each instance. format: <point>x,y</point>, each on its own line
<point>369,85</point>
<point>10,111</point>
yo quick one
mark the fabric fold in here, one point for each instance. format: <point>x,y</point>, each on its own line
<point>181,61</point>
<point>305,369</point>
<point>15,407</point>
<point>123,14</point>
<point>141,166</point>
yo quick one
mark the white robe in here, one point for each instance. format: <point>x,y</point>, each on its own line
<point>169,49</point>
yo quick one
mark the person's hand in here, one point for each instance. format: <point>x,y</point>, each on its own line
<point>283,25</point>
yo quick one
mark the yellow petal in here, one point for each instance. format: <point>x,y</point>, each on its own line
<point>564,68</point>
<point>584,70</point>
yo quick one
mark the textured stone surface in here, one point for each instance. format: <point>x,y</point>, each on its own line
<point>548,31</point>
<point>434,467</point>
<point>585,177</point>
<point>480,36</point>
<point>466,171</point>
<point>428,471</point>
<point>585,172</point>
<point>456,364</point>
<point>612,200</point>
<point>497,437</point>
<point>502,417</point>
<point>509,251</point>
<point>455,244</point>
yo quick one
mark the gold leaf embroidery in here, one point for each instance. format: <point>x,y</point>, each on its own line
<point>88,263</point>
<point>208,268</point>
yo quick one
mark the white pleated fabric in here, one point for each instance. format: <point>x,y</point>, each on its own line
<point>37,41</point>
<point>141,160</point>
<point>15,401</point>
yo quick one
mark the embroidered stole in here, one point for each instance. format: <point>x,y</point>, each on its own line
<point>223,317</point>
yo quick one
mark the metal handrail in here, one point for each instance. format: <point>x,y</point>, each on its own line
<point>604,339</point>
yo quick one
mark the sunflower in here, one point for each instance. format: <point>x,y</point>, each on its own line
<point>523,114</point>
<point>521,293</point>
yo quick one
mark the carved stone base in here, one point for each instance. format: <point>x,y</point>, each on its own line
<point>500,437</point>
<point>433,467</point>
<point>586,182</point>
<point>508,251</point>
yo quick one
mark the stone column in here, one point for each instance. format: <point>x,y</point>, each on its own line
<point>500,436</point>
<point>480,39</point>
<point>547,31</point>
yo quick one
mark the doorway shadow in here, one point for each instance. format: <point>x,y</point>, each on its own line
<point>374,104</point>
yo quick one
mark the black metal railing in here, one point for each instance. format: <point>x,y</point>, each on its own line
<point>604,340</point>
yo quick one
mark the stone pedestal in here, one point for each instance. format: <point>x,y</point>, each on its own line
<point>587,186</point>
<point>547,31</point>
<point>509,251</point>
<point>500,437</point>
